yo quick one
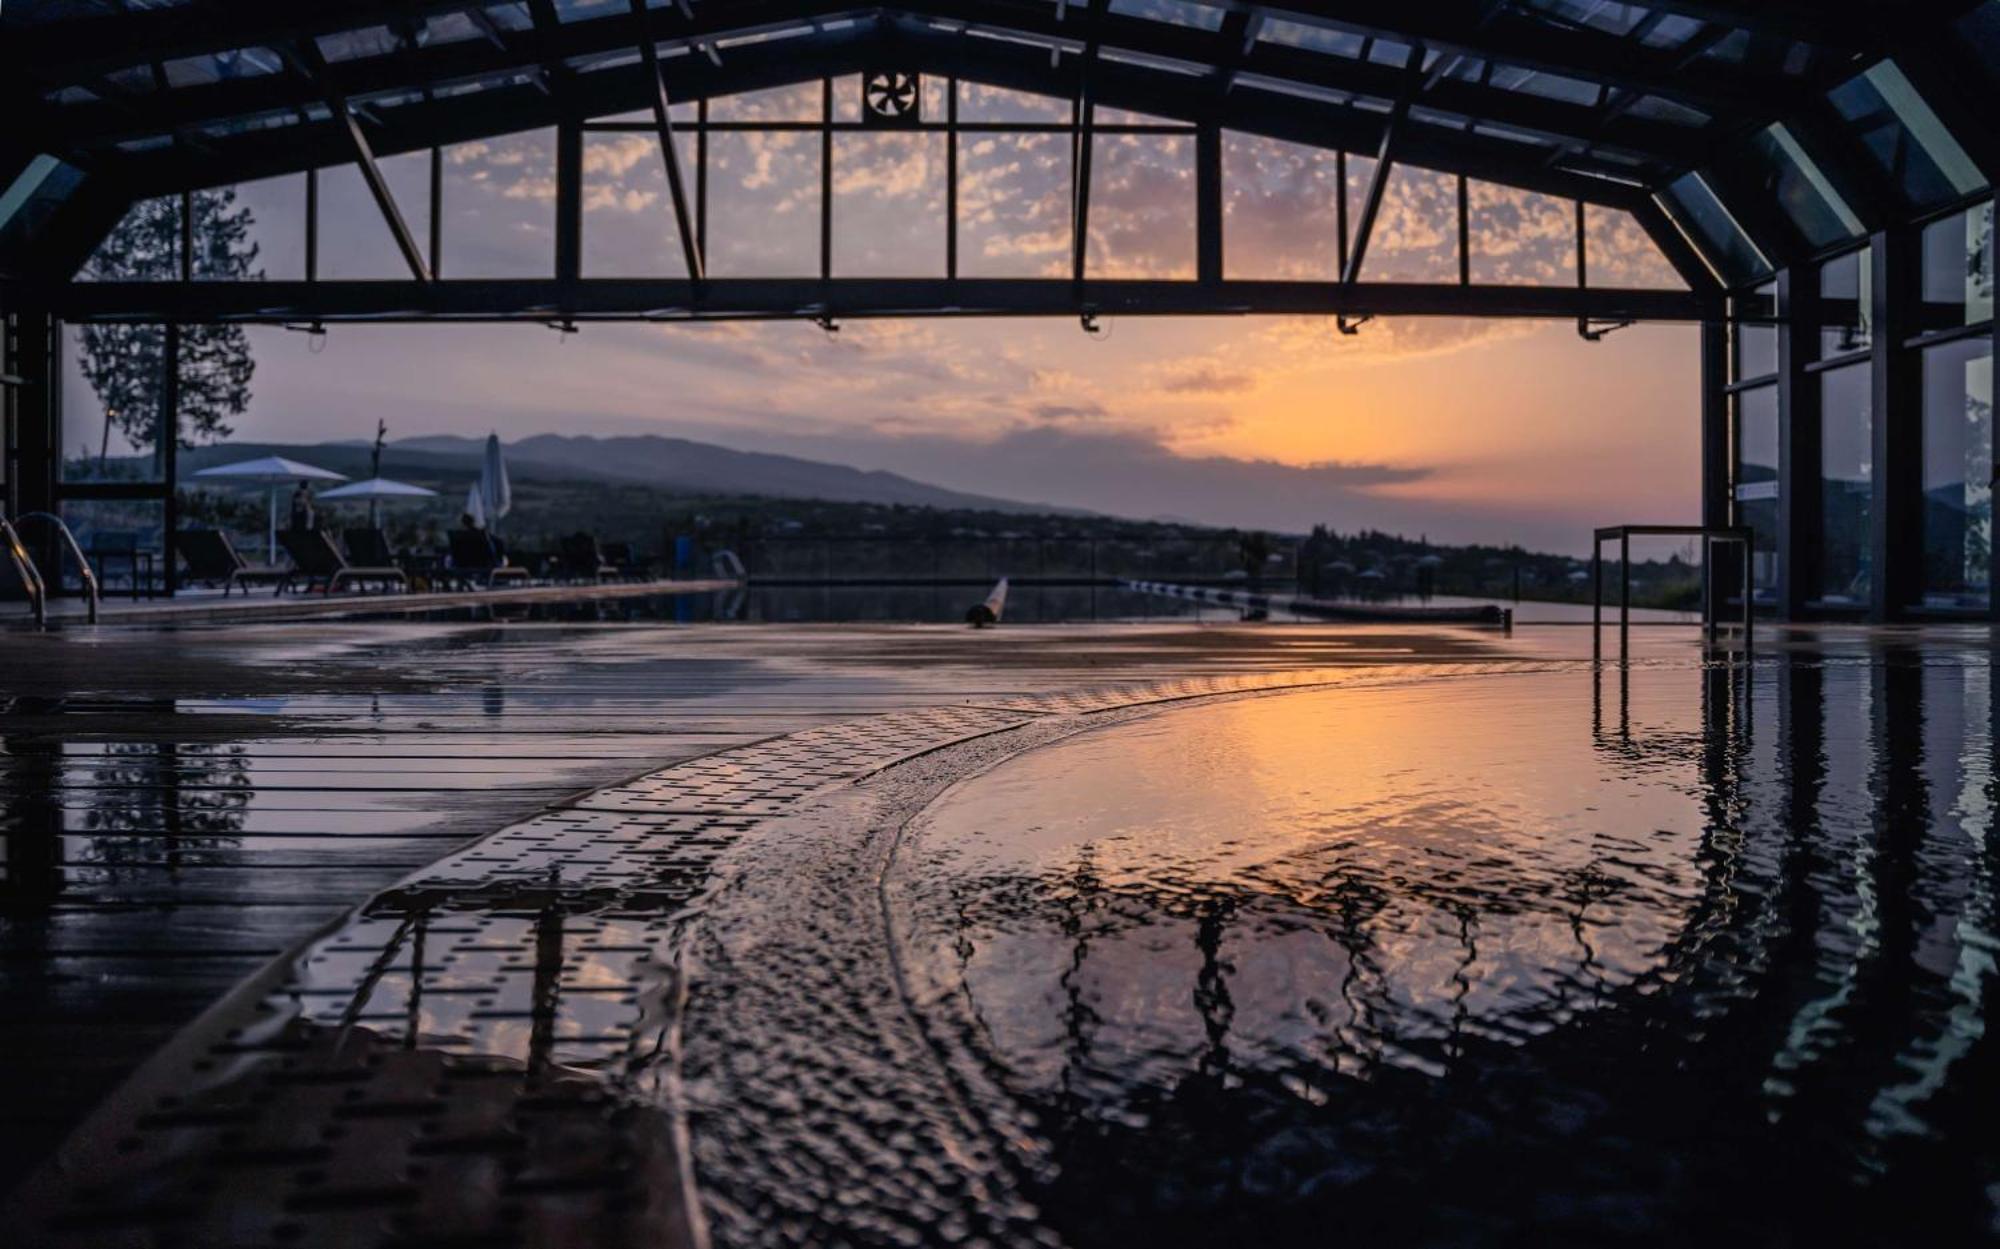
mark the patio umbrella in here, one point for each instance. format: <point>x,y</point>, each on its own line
<point>272,471</point>
<point>496,495</point>
<point>375,490</point>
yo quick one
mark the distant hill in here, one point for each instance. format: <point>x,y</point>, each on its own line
<point>699,468</point>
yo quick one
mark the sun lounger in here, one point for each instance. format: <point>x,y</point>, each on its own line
<point>369,548</point>
<point>475,561</point>
<point>319,563</point>
<point>212,560</point>
<point>581,560</point>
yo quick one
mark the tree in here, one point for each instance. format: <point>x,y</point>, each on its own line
<point>125,364</point>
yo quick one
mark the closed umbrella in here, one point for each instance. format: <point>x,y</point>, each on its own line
<point>273,471</point>
<point>496,494</point>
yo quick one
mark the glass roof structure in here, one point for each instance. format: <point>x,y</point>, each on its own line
<point>1761,132</point>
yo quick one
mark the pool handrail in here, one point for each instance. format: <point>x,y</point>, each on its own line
<point>24,567</point>
<point>84,570</point>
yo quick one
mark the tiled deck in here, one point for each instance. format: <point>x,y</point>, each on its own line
<point>416,1067</point>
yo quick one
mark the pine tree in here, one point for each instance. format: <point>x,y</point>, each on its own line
<point>124,363</point>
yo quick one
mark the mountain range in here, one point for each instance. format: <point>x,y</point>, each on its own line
<point>678,464</point>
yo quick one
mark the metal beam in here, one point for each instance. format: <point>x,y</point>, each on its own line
<point>1656,143</point>
<point>1385,155</point>
<point>1083,141</point>
<point>663,121</point>
<point>808,297</point>
<point>309,61</point>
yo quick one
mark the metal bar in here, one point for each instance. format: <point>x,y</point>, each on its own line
<point>534,299</point>
<point>312,225</point>
<point>1209,238</point>
<point>1378,180</point>
<point>169,434</point>
<point>701,177</point>
<point>1624,593</point>
<point>951,179</point>
<point>663,121</point>
<point>569,202</point>
<point>1597,595</point>
<point>437,212</point>
<point>825,178</point>
<point>378,186</point>
<point>1464,234</point>
<point>1340,211</point>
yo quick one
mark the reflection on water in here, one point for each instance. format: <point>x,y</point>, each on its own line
<point>1495,960</point>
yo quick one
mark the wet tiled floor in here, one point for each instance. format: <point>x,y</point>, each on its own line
<point>577,935</point>
<point>182,806</point>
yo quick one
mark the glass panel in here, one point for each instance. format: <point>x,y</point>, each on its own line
<point>1013,205</point>
<point>1714,229</point>
<point>35,195</point>
<point>1177,12</point>
<point>1846,480</point>
<point>273,234</point>
<point>1958,474</point>
<point>763,204</point>
<point>1757,345</point>
<point>1520,238</point>
<point>798,102</point>
<point>355,241</point>
<point>111,402</point>
<point>1280,209</point>
<point>1958,269</point>
<point>1141,207</point>
<point>500,207</point>
<point>1801,189</point>
<point>124,540</point>
<point>1619,253</point>
<point>1905,138</point>
<point>628,217</point>
<point>1847,285</point>
<point>1416,232</point>
<point>144,247</point>
<point>978,102</point>
<point>888,205</point>
<point>1756,486</point>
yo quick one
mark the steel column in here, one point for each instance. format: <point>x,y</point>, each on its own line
<point>1716,504</point>
<point>1896,429</point>
<point>1800,514</point>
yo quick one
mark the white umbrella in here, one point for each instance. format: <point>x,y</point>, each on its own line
<point>376,489</point>
<point>274,471</point>
<point>475,506</point>
<point>496,495</point>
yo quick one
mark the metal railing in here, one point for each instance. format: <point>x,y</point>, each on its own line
<point>31,575</point>
<point>1711,537</point>
<point>24,568</point>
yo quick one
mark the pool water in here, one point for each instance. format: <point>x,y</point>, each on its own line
<point>1491,960</point>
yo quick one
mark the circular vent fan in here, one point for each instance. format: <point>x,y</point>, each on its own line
<point>891,96</point>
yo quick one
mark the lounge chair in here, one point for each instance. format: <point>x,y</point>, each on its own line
<point>320,564</point>
<point>619,556</point>
<point>475,560</point>
<point>212,560</point>
<point>581,560</point>
<point>369,547</point>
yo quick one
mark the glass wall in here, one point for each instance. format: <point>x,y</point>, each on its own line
<point>1958,474</point>
<point>1846,485</point>
<point>1958,269</point>
<point>1756,485</point>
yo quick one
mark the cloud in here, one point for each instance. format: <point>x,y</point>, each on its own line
<point>1207,378</point>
